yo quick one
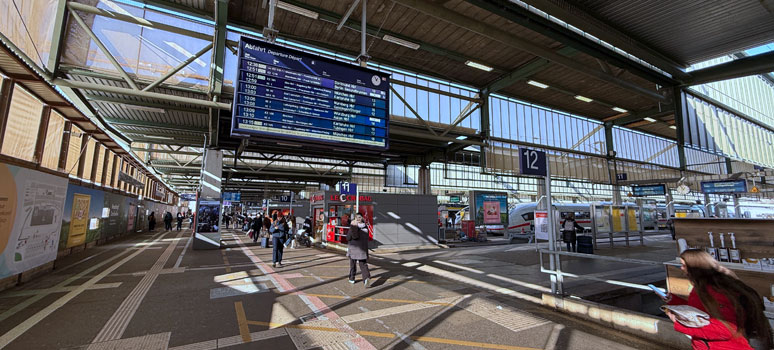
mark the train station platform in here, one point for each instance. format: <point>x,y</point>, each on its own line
<point>154,292</point>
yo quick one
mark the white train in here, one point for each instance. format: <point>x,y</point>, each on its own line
<point>521,217</point>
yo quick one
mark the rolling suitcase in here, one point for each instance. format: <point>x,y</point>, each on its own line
<point>585,245</point>
<point>264,242</point>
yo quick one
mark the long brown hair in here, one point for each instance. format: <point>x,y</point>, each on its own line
<point>704,272</point>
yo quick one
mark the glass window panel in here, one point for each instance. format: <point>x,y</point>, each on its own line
<point>21,129</point>
<point>100,163</point>
<point>74,151</point>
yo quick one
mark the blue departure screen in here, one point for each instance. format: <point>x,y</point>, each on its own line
<point>282,93</point>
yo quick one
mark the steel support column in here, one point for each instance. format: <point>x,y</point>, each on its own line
<point>484,121</point>
<point>40,142</point>
<point>57,38</point>
<point>65,147</point>
<point>216,67</point>
<point>6,95</point>
<point>679,110</point>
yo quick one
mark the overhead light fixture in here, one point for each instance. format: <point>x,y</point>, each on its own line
<point>620,110</point>
<point>159,137</point>
<point>479,66</point>
<point>583,98</point>
<point>673,127</point>
<point>650,119</point>
<point>538,84</point>
<point>401,42</point>
<point>143,108</point>
<point>299,10</point>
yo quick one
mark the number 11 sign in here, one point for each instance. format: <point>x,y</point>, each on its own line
<point>532,162</point>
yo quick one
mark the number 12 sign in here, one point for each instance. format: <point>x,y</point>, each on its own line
<point>532,162</point>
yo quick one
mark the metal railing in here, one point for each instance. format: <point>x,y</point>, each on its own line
<point>558,275</point>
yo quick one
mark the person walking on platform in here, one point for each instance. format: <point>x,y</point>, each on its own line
<point>278,230</point>
<point>568,232</point>
<point>179,221</point>
<point>226,220</point>
<point>168,221</point>
<point>256,226</point>
<point>735,310</point>
<point>357,249</point>
<point>151,222</point>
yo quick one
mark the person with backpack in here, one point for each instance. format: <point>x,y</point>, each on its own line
<point>569,235</point>
<point>357,249</point>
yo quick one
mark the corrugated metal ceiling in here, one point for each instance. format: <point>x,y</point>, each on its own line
<point>689,31</point>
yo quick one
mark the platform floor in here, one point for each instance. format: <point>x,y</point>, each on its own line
<point>153,292</point>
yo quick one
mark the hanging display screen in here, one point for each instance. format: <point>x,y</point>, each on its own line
<point>285,94</point>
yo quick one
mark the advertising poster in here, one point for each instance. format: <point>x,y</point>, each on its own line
<point>79,220</point>
<point>541,225</point>
<point>491,212</point>
<point>490,208</point>
<point>31,210</point>
<point>132,216</point>
<point>115,222</point>
<point>82,220</point>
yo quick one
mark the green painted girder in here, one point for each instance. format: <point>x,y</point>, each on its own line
<point>526,70</point>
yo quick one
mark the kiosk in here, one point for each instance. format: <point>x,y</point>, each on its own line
<point>393,219</point>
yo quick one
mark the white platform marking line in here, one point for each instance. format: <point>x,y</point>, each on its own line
<point>23,305</point>
<point>390,311</point>
<point>57,290</point>
<point>115,327</point>
<point>554,337</point>
<point>23,327</point>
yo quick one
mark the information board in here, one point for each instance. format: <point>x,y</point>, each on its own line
<point>284,94</point>
<point>232,196</point>
<point>649,190</point>
<point>728,186</point>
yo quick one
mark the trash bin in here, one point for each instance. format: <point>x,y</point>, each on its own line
<point>585,245</point>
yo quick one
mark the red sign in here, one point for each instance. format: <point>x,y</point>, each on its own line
<point>348,198</point>
<point>317,198</point>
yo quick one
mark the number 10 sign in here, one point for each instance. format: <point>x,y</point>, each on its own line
<point>532,162</point>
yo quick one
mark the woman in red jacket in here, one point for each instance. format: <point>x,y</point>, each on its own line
<point>736,310</point>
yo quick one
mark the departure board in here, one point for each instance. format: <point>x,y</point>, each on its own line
<point>287,94</point>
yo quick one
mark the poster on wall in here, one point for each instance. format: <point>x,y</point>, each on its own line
<point>79,220</point>
<point>82,220</point>
<point>31,210</point>
<point>132,216</point>
<point>117,214</point>
<point>490,208</point>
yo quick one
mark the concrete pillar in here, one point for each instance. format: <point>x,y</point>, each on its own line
<point>707,207</point>
<point>210,195</point>
<point>670,199</point>
<point>423,182</point>
<point>617,199</point>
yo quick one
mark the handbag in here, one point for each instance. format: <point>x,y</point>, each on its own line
<point>250,233</point>
<point>688,316</point>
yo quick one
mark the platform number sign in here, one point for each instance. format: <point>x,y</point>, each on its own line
<point>348,188</point>
<point>532,162</point>
<point>621,176</point>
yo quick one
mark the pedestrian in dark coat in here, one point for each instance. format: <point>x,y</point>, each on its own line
<point>151,222</point>
<point>168,221</point>
<point>179,221</point>
<point>357,249</point>
<point>278,230</point>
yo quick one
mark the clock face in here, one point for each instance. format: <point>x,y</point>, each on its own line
<point>376,80</point>
<point>683,189</point>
